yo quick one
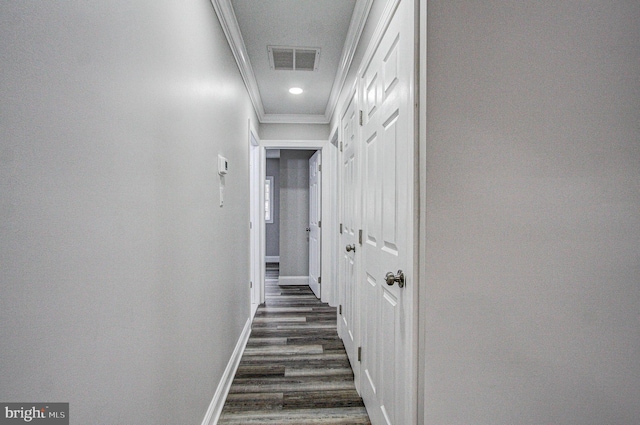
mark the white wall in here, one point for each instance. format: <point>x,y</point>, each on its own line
<point>532,273</point>
<point>124,284</point>
<point>294,131</point>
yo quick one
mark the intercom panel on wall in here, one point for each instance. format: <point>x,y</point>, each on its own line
<point>223,169</point>
<point>223,165</point>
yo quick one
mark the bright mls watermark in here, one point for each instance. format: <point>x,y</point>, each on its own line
<point>34,413</point>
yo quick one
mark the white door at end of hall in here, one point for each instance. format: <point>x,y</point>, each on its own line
<point>315,214</point>
<point>386,287</point>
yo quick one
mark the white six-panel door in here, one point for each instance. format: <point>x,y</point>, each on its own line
<point>348,325</point>
<point>314,222</point>
<point>385,180</point>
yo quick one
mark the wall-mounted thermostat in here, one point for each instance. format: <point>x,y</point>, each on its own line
<point>223,165</point>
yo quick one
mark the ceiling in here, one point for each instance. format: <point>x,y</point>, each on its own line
<point>332,26</point>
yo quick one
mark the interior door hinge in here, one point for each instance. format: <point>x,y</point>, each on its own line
<point>360,236</point>
<point>250,225</point>
<point>319,223</point>
<point>340,146</point>
<point>359,354</point>
<point>320,168</point>
<point>340,309</point>
<point>340,228</point>
<point>250,284</point>
<point>360,117</point>
<point>319,279</point>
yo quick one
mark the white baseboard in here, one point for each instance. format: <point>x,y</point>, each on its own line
<point>272,259</point>
<point>293,280</point>
<point>220,396</point>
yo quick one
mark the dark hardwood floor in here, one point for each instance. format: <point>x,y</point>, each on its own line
<point>295,369</point>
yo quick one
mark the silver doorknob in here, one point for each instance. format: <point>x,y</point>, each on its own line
<point>351,248</point>
<point>391,278</point>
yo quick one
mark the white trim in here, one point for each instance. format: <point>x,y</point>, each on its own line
<point>293,280</point>
<point>294,144</point>
<point>329,220</point>
<point>293,119</point>
<point>335,135</point>
<point>257,250</point>
<point>421,235</point>
<point>358,21</point>
<point>345,104</point>
<point>227,17</point>
<point>330,230</point>
<point>272,259</point>
<point>229,23</point>
<point>217,403</point>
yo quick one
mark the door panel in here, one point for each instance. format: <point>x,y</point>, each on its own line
<point>372,188</point>
<point>349,319</point>
<point>390,205</point>
<point>314,222</point>
<point>387,188</point>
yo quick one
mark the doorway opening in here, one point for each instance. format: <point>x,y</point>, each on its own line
<point>292,208</point>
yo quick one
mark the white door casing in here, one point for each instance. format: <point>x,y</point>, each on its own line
<point>329,263</point>
<point>387,327</point>
<point>315,214</point>
<point>348,317</point>
<point>256,219</point>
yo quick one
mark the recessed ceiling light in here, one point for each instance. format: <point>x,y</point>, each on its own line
<point>295,90</point>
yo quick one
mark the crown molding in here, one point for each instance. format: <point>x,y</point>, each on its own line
<point>294,119</point>
<point>356,26</point>
<point>227,17</point>
<point>231,29</point>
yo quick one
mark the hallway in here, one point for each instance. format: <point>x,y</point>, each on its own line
<point>483,155</point>
<point>294,369</point>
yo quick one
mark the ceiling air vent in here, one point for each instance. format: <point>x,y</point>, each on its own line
<point>293,58</point>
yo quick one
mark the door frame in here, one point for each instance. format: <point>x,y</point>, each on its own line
<point>256,225</point>
<point>329,229</point>
<point>421,231</point>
